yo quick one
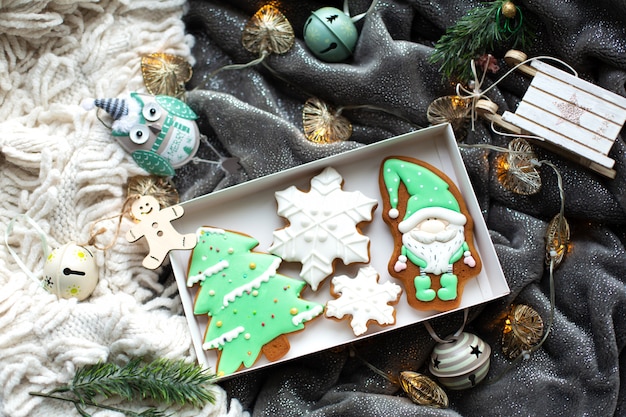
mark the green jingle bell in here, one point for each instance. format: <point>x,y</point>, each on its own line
<point>330,34</point>
<point>460,362</point>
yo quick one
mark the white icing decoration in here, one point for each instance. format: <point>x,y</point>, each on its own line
<point>435,251</point>
<point>364,299</point>
<point>307,315</point>
<point>213,269</point>
<point>223,339</point>
<point>337,230</point>
<point>255,283</point>
<point>212,230</point>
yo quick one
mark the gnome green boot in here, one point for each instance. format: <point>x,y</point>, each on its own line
<point>448,283</point>
<point>423,292</point>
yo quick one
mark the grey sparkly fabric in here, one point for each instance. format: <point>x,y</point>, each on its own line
<point>254,115</point>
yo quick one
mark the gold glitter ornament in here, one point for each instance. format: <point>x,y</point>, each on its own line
<point>450,109</point>
<point>509,10</point>
<point>557,239</point>
<point>268,31</point>
<point>323,124</point>
<point>516,170</point>
<point>422,390</point>
<point>165,74</point>
<point>523,328</point>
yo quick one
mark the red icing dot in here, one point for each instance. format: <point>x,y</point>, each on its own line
<point>263,324</point>
<point>273,316</point>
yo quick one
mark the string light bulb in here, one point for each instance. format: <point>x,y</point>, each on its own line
<point>516,169</point>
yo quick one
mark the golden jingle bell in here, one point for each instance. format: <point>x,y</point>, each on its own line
<point>462,362</point>
<point>70,272</point>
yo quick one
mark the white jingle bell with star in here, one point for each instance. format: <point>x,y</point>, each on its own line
<point>70,272</point>
<point>460,362</point>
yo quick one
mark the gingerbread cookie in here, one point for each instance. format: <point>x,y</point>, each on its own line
<point>364,299</point>
<point>434,253</point>
<point>323,226</point>
<point>155,225</point>
<point>250,306</point>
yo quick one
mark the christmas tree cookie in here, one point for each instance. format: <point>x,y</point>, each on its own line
<point>251,307</point>
<point>434,252</point>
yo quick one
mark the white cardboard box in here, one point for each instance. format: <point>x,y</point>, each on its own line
<point>250,208</point>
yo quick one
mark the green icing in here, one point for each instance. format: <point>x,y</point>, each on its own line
<point>248,304</point>
<point>419,181</point>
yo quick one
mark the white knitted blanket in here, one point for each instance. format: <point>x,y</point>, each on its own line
<point>60,167</point>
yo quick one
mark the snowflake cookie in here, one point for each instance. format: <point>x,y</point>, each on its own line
<point>364,299</point>
<point>322,226</point>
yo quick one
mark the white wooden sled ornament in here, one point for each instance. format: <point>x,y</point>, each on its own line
<point>575,118</point>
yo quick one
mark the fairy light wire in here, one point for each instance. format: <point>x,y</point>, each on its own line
<point>525,354</point>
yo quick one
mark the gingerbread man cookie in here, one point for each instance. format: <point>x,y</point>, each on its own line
<point>155,225</point>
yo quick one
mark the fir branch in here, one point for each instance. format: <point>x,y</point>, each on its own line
<point>475,34</point>
<point>164,381</point>
<point>149,412</point>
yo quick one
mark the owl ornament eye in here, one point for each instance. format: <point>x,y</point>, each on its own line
<point>151,112</point>
<point>139,134</point>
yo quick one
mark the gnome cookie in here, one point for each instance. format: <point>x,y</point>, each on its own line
<point>434,252</point>
<point>155,225</point>
<point>159,132</point>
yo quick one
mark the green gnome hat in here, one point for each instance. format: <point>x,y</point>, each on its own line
<point>429,194</point>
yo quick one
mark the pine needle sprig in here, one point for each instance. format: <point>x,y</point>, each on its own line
<point>164,381</point>
<point>477,33</point>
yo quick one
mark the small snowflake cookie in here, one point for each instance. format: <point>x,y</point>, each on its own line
<point>364,299</point>
<point>323,226</point>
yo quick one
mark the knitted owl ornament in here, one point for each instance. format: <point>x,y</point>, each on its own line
<point>159,132</point>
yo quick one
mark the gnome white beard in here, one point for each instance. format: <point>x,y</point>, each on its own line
<point>435,249</point>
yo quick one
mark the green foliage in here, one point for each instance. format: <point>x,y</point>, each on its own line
<point>478,33</point>
<point>163,381</point>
